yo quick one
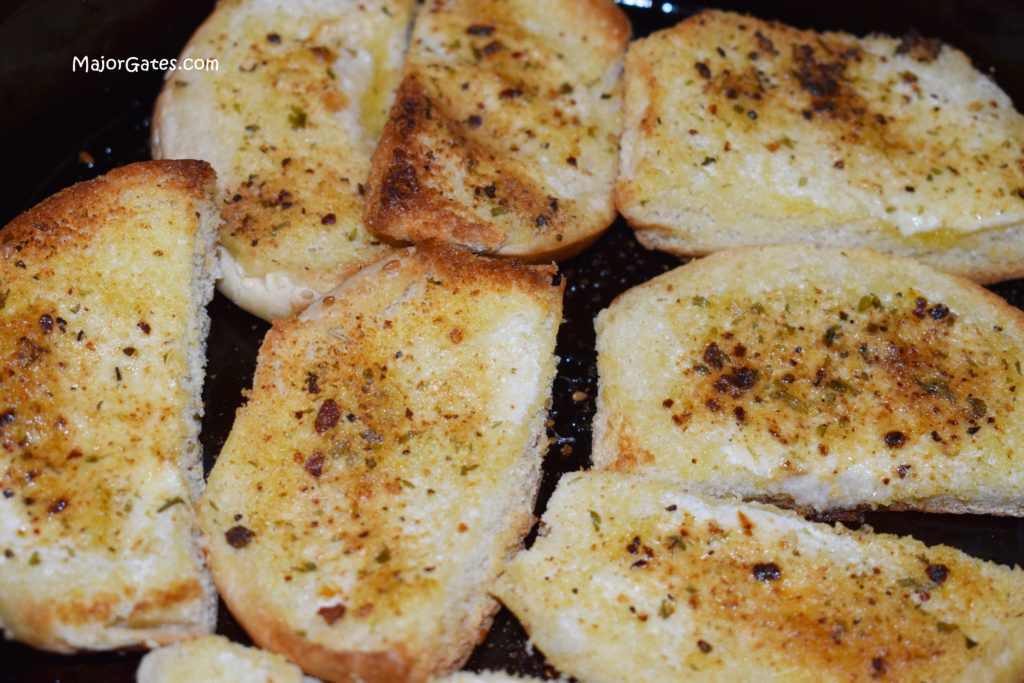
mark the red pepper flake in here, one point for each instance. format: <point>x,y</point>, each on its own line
<point>315,464</point>
<point>510,93</point>
<point>878,666</point>
<point>703,70</point>
<point>474,121</point>
<point>128,350</point>
<point>328,219</point>
<point>238,536</point>
<point>144,326</point>
<point>332,613</point>
<point>456,335</point>
<point>311,383</point>
<point>327,417</point>
<point>704,646</point>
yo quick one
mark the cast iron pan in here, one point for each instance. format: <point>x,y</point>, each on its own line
<point>61,127</point>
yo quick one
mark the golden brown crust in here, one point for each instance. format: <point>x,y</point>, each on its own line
<point>66,218</point>
<point>513,152</point>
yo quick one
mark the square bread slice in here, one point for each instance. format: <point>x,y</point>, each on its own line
<point>633,580</point>
<point>504,133</point>
<point>743,132</point>
<point>289,119</point>
<point>386,465</point>
<point>103,289</point>
<point>817,378</point>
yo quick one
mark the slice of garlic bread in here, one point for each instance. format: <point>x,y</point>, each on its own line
<point>742,132</point>
<point>815,377</point>
<point>102,349</point>
<point>215,659</point>
<point>504,133</point>
<point>386,464</point>
<point>633,580</point>
<point>289,119</point>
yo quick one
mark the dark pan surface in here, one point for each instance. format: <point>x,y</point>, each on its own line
<point>51,115</point>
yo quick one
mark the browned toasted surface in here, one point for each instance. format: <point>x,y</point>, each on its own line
<point>504,133</point>
<point>386,463</point>
<point>99,352</point>
<point>634,580</point>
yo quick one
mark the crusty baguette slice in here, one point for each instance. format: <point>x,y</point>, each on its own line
<point>742,132</point>
<point>215,659</point>
<point>820,378</point>
<point>633,580</point>
<point>504,133</point>
<point>386,464</point>
<point>289,120</point>
<point>102,349</point>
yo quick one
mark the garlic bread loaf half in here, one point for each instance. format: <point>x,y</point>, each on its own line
<point>386,465</point>
<point>103,289</point>
<point>503,137</point>
<point>215,659</point>
<point>289,119</point>
<point>632,579</point>
<point>744,132</point>
<point>817,378</point>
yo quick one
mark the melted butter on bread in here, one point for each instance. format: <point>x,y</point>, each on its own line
<point>821,378</point>
<point>632,579</point>
<point>741,131</point>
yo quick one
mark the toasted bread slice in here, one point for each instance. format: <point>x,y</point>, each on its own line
<point>742,132</point>
<point>289,119</point>
<point>386,464</point>
<point>215,659</point>
<point>633,580</point>
<point>504,133</point>
<point>820,378</point>
<point>102,349</point>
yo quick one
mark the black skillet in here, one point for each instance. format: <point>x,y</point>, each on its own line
<point>60,126</point>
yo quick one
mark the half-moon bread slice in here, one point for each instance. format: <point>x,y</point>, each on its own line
<point>102,349</point>
<point>289,119</point>
<point>504,133</point>
<point>215,659</point>
<point>386,464</point>
<point>633,580</point>
<point>820,378</point>
<point>743,132</point>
